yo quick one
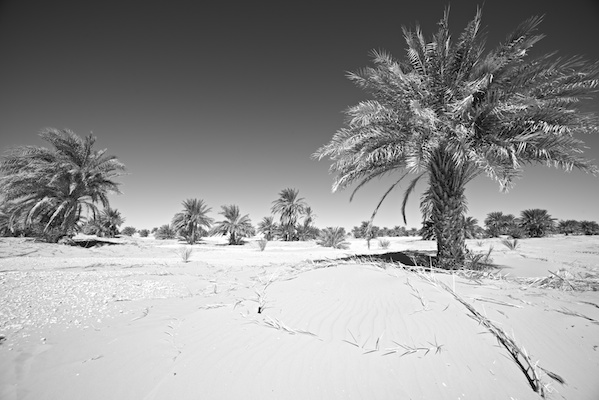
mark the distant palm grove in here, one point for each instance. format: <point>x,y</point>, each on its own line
<point>446,113</point>
<point>77,178</point>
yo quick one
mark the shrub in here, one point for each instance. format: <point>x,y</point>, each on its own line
<point>128,231</point>
<point>333,237</point>
<point>144,233</point>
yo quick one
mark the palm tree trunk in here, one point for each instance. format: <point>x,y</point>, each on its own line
<point>448,205</point>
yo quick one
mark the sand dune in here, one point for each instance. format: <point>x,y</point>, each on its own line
<point>132,321</point>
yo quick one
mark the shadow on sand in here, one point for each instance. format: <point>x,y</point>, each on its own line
<point>87,243</point>
<point>408,258</point>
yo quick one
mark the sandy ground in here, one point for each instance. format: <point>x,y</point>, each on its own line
<point>132,320</point>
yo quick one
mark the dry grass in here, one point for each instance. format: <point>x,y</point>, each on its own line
<point>564,280</point>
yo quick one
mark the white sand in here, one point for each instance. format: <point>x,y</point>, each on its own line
<point>132,321</point>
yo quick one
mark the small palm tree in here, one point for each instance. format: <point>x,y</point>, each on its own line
<point>108,222</point>
<point>235,225</point>
<point>450,111</point>
<point>268,227</point>
<point>165,232</point>
<point>53,187</point>
<point>290,207</point>
<point>568,227</point>
<point>333,237</point>
<point>536,222</point>
<point>192,220</point>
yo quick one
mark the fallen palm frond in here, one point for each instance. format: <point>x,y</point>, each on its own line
<point>212,306</point>
<point>277,324</point>
<point>567,311</point>
<point>495,301</point>
<point>405,349</point>
<point>519,354</point>
<point>564,280</point>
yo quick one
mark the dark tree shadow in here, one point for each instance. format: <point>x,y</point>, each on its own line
<point>87,243</point>
<point>408,258</point>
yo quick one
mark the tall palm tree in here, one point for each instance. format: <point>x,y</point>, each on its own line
<point>192,220</point>
<point>53,187</point>
<point>536,222</point>
<point>235,225</point>
<point>290,207</point>
<point>450,112</point>
<point>268,227</point>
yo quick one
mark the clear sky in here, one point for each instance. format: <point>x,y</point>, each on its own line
<point>227,102</point>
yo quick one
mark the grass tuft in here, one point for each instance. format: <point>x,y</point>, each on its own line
<point>384,243</point>
<point>511,244</point>
<point>184,253</point>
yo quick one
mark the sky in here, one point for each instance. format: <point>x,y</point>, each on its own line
<point>227,102</point>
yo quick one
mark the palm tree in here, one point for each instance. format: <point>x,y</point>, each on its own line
<point>108,222</point>
<point>471,228</point>
<point>290,207</point>
<point>451,112</point>
<point>589,227</point>
<point>307,231</point>
<point>234,225</point>
<point>192,220</point>
<point>536,222</point>
<point>53,187</point>
<point>268,227</point>
<point>498,223</point>
<point>568,227</point>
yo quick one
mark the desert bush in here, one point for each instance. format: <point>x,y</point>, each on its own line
<point>144,233</point>
<point>333,237</point>
<point>384,243</point>
<point>128,231</point>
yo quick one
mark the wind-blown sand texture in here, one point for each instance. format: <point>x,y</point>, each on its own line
<point>131,320</point>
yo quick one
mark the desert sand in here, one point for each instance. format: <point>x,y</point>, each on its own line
<point>132,320</point>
